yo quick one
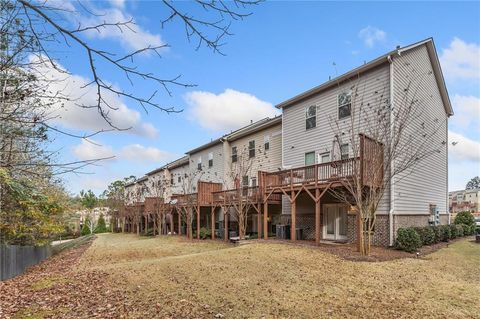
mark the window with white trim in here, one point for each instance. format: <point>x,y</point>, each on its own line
<point>309,158</point>
<point>251,149</point>
<point>344,105</point>
<point>344,151</point>
<point>199,163</point>
<point>311,117</point>
<point>253,182</point>
<point>266,142</point>
<point>324,157</point>
<point>210,159</point>
<point>234,154</point>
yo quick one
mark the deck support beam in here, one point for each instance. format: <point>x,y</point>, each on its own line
<point>225,226</point>
<point>213,221</point>
<point>198,222</point>
<point>179,223</point>
<point>265,220</point>
<point>293,231</point>
<point>317,217</point>
<point>259,222</point>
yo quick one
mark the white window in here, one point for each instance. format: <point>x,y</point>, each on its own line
<point>266,142</point>
<point>251,149</point>
<point>324,157</point>
<point>199,163</point>
<point>210,159</point>
<point>309,158</point>
<point>253,181</point>
<point>344,151</point>
<point>234,154</point>
<point>311,117</point>
<point>344,105</point>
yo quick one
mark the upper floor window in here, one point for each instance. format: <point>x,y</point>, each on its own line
<point>199,163</point>
<point>210,159</point>
<point>344,105</point>
<point>324,157</point>
<point>253,182</point>
<point>244,181</point>
<point>311,117</point>
<point>251,149</point>
<point>266,142</point>
<point>179,179</point>
<point>171,181</point>
<point>234,154</point>
<point>344,151</point>
<point>309,158</point>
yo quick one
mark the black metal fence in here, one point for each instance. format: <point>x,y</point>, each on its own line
<point>14,260</point>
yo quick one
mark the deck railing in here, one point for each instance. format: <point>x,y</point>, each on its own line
<point>312,174</point>
<point>251,194</point>
<point>186,199</point>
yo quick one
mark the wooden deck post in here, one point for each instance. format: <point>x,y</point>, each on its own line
<point>317,217</point>
<point>225,227</point>
<point>198,222</point>
<point>213,221</point>
<point>179,223</point>
<point>265,220</point>
<point>293,231</point>
<point>259,222</point>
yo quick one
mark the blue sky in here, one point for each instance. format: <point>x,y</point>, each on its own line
<point>281,50</point>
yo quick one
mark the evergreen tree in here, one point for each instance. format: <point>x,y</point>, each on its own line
<point>101,225</point>
<point>85,229</point>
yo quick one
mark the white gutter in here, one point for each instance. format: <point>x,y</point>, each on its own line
<point>392,189</point>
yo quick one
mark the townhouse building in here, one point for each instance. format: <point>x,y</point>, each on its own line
<point>467,200</point>
<point>289,169</point>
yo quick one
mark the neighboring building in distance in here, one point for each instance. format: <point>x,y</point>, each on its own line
<point>464,200</point>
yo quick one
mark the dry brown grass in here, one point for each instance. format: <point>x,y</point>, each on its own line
<point>172,277</point>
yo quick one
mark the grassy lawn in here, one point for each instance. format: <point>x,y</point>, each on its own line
<point>172,277</point>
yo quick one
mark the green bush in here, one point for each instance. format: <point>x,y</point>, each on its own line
<point>445,233</point>
<point>460,230</point>
<point>101,225</point>
<point>477,230</point>
<point>408,240</point>
<point>85,229</point>
<point>427,235</point>
<point>465,218</point>
<point>453,231</point>
<point>470,230</point>
<point>205,233</point>
<point>437,231</point>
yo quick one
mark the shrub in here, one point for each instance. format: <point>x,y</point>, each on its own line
<point>437,231</point>
<point>427,235</point>
<point>477,229</point>
<point>85,229</point>
<point>465,218</point>
<point>471,230</point>
<point>205,233</point>
<point>453,231</point>
<point>445,233</point>
<point>460,231</point>
<point>408,240</point>
<point>101,225</point>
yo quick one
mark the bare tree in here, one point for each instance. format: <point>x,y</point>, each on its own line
<point>243,197</point>
<point>187,202</point>
<point>386,143</point>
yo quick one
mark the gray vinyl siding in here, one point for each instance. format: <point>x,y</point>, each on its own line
<point>297,140</point>
<point>268,161</point>
<point>180,171</point>
<point>209,174</point>
<point>427,183</point>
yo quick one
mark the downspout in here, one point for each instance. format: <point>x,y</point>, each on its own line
<point>392,190</point>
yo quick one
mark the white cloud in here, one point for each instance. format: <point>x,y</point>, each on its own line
<point>92,150</point>
<point>137,152</point>
<point>133,152</point>
<point>467,112</point>
<point>132,37</point>
<point>228,110</point>
<point>464,149</point>
<point>70,115</point>
<point>461,60</point>
<point>370,35</point>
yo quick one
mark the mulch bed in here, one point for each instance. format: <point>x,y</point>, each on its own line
<point>53,289</point>
<point>378,254</point>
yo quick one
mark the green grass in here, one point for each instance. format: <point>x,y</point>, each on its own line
<point>284,281</point>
